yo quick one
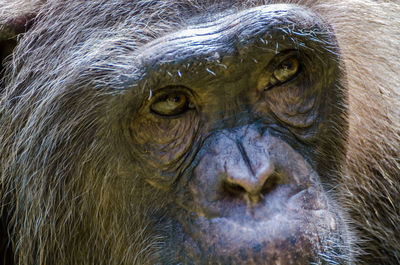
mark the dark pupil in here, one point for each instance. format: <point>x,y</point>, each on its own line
<point>287,65</point>
<point>176,98</point>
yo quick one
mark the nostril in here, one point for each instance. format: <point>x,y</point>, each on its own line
<point>272,182</point>
<point>233,189</point>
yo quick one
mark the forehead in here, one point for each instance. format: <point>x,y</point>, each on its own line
<point>231,40</point>
<point>224,33</point>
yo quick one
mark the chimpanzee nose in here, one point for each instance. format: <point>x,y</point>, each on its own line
<point>249,172</point>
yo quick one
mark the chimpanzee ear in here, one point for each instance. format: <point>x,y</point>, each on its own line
<point>16,17</point>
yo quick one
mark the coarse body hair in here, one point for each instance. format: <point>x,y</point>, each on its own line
<point>58,171</point>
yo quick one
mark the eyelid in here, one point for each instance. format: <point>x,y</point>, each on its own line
<point>157,95</point>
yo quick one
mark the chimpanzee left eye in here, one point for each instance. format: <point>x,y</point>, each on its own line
<point>170,104</point>
<point>285,71</point>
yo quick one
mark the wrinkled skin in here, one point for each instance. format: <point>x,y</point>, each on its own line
<point>215,138</point>
<point>247,192</point>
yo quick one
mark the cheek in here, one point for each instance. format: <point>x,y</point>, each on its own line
<point>163,141</point>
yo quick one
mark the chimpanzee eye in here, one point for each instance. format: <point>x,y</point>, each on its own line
<point>285,71</point>
<point>170,104</point>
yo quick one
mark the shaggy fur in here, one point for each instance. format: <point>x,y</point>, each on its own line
<point>58,177</point>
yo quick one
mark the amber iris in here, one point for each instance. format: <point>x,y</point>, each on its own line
<point>170,104</point>
<point>287,69</point>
